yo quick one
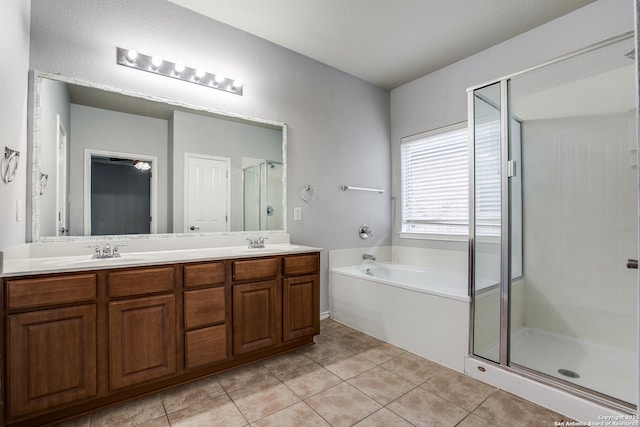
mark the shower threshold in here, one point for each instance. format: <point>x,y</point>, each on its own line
<point>606,370</point>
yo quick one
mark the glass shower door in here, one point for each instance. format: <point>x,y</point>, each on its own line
<point>574,308</point>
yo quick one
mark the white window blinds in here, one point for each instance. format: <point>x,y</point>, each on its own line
<point>435,185</point>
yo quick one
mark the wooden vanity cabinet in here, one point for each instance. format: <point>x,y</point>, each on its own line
<point>78,342</point>
<point>51,357</point>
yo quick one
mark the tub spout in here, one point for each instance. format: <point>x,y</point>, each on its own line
<point>369,256</point>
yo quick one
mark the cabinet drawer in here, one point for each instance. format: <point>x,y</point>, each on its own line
<point>301,264</point>
<point>25,293</point>
<point>255,269</point>
<point>204,274</point>
<point>205,346</point>
<point>139,282</point>
<point>204,307</point>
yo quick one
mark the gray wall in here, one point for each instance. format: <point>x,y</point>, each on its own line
<point>338,124</point>
<point>14,59</point>
<point>440,99</point>
<point>223,138</point>
<point>117,132</point>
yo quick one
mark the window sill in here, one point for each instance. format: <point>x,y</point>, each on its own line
<point>428,236</point>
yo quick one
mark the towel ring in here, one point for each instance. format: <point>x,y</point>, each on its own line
<point>9,164</point>
<point>307,193</point>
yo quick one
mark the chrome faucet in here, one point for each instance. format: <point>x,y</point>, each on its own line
<point>256,242</point>
<point>106,251</point>
<point>369,256</point>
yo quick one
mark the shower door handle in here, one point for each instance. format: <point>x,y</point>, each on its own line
<point>632,263</point>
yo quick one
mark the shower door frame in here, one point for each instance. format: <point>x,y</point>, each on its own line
<point>505,237</point>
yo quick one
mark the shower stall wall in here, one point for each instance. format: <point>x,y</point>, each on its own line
<point>554,219</point>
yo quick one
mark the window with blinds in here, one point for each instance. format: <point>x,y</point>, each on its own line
<point>435,184</point>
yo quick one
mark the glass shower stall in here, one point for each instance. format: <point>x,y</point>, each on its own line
<point>262,196</point>
<point>554,223</point>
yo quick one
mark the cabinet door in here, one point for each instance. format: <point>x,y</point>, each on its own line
<point>301,307</point>
<point>256,316</point>
<point>51,358</point>
<point>142,338</point>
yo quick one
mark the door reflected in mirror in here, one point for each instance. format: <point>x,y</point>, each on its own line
<point>197,182</point>
<point>120,196</point>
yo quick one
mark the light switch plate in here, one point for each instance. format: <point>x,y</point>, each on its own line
<point>297,213</point>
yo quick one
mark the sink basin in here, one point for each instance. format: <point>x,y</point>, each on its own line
<point>267,249</point>
<point>79,261</point>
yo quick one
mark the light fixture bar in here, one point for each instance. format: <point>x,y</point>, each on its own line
<point>157,65</point>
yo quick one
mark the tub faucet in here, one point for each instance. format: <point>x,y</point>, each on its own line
<point>369,256</point>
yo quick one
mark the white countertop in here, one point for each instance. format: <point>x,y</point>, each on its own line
<point>23,262</point>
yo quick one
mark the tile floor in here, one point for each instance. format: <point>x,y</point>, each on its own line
<point>346,379</point>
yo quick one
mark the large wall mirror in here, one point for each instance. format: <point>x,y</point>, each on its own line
<point>110,162</point>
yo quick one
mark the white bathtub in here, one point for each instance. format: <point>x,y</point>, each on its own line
<point>424,310</point>
<point>443,283</point>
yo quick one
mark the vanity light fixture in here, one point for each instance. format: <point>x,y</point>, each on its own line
<point>157,65</point>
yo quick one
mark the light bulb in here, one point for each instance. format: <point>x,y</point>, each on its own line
<point>219,78</point>
<point>237,83</point>
<point>140,165</point>
<point>200,72</point>
<point>132,54</point>
<point>156,60</point>
<point>178,67</point>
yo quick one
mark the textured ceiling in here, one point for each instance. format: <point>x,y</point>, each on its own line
<point>385,42</point>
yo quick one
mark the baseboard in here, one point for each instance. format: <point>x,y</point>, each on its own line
<point>324,315</point>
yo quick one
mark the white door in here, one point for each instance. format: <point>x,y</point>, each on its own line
<point>61,180</point>
<point>206,193</point>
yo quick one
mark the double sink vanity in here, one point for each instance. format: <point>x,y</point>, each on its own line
<point>82,333</point>
<point>123,293</point>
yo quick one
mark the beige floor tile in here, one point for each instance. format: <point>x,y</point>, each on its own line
<point>381,385</point>
<point>286,362</point>
<point>298,415</point>
<point>414,368</point>
<point>309,379</point>
<point>343,405</point>
<point>460,389</point>
<point>129,414</point>
<point>383,418</point>
<point>219,411</point>
<point>476,421</point>
<point>423,408</point>
<point>243,376</point>
<point>330,326</point>
<point>158,422</point>
<point>262,399</point>
<point>352,339</point>
<point>190,394</point>
<point>378,352</point>
<point>502,408</point>
<point>347,367</point>
<point>323,349</point>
